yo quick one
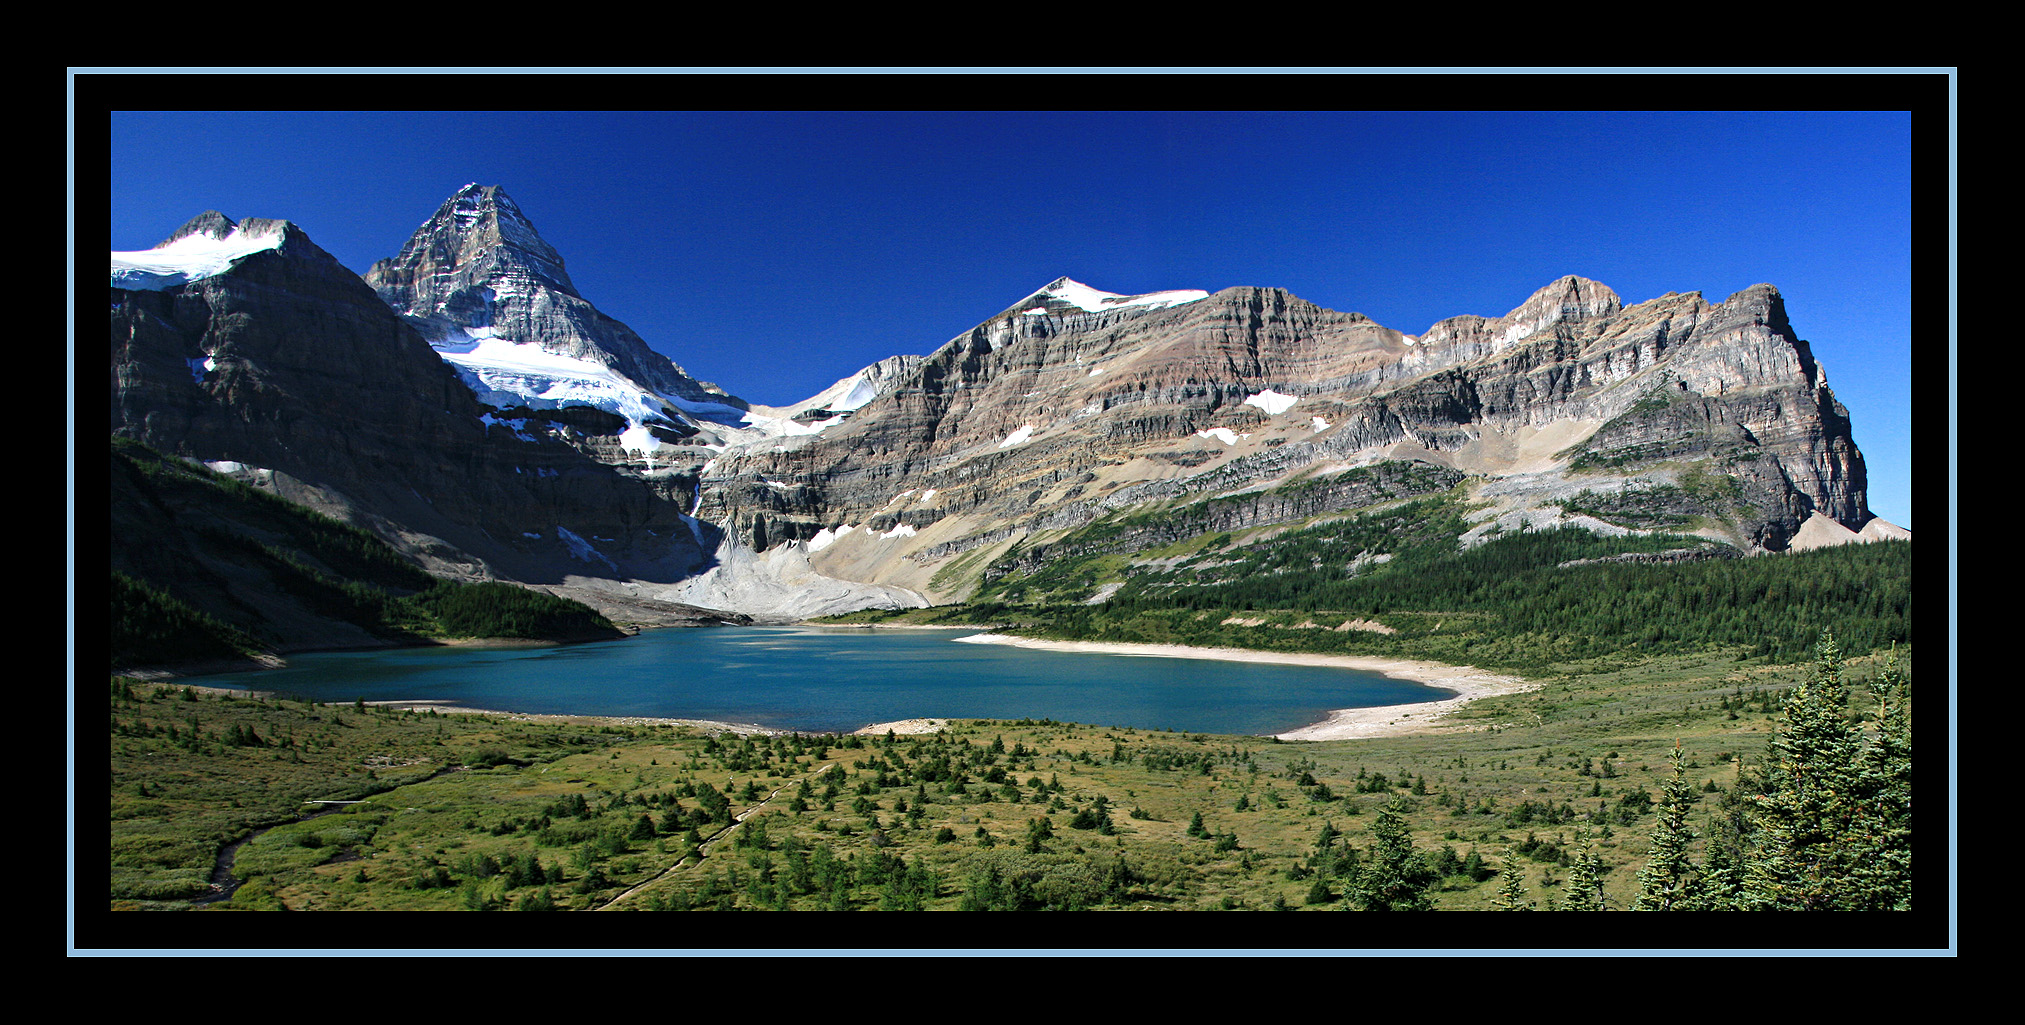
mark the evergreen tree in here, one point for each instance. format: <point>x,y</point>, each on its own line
<point>1881,829</point>
<point>1800,859</point>
<point>1831,825</point>
<point>1512,892</point>
<point>1668,881</point>
<point>1585,882</point>
<point>1395,878</point>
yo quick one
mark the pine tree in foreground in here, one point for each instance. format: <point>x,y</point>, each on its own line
<point>1832,828</point>
<point>1881,829</point>
<point>1395,878</point>
<point>1799,860</point>
<point>1512,892</point>
<point>1668,880</point>
<point>1585,881</point>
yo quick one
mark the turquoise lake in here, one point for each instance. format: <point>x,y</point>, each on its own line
<point>815,680</point>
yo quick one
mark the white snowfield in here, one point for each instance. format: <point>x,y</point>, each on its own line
<point>1272,402</point>
<point>508,373</point>
<point>497,369</point>
<point>1082,296</point>
<point>846,396</point>
<point>582,549</point>
<point>190,258</point>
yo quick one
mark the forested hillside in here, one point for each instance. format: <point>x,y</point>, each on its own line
<point>1395,580</point>
<point>205,568</point>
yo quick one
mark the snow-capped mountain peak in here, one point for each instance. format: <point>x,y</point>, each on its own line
<point>491,296</point>
<point>210,244</point>
<point>1063,293</point>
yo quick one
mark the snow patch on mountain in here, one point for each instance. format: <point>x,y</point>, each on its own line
<point>1272,402</point>
<point>1018,437</point>
<point>193,257</point>
<point>846,395</point>
<point>1083,297</point>
<point>504,373</point>
<point>518,427</point>
<point>827,537</point>
<point>581,549</point>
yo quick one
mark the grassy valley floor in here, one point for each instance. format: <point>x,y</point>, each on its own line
<point>492,812</point>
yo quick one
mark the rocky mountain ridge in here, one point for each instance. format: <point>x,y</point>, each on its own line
<point>281,367</point>
<point>473,407</point>
<point>1681,413</point>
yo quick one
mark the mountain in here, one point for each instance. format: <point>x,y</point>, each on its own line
<point>494,300</point>
<point>465,402</point>
<point>1074,404</point>
<point>237,573</point>
<point>247,347</point>
<point>478,272</point>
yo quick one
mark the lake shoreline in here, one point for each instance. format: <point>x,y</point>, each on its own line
<point>1467,682</point>
<point>1463,683</point>
<point>900,727</point>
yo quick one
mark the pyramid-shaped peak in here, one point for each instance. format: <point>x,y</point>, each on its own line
<point>482,223</point>
<point>484,196</point>
<point>475,205</point>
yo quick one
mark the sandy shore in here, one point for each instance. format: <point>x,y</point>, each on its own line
<point>903,727</point>
<point>707,725</point>
<point>1467,682</point>
<point>878,729</point>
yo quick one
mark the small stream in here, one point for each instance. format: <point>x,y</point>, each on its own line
<point>224,884</point>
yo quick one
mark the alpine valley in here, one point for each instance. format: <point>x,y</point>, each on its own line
<point>463,402</point>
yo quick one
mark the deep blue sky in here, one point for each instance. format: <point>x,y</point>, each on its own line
<point>773,253</point>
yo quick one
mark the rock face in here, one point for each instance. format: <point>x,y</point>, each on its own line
<point>479,270</point>
<point>1707,417</point>
<point>248,347</point>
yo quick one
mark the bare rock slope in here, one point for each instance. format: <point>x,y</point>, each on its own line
<point>1709,417</point>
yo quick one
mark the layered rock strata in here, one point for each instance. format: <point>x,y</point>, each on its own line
<point>1057,411</point>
